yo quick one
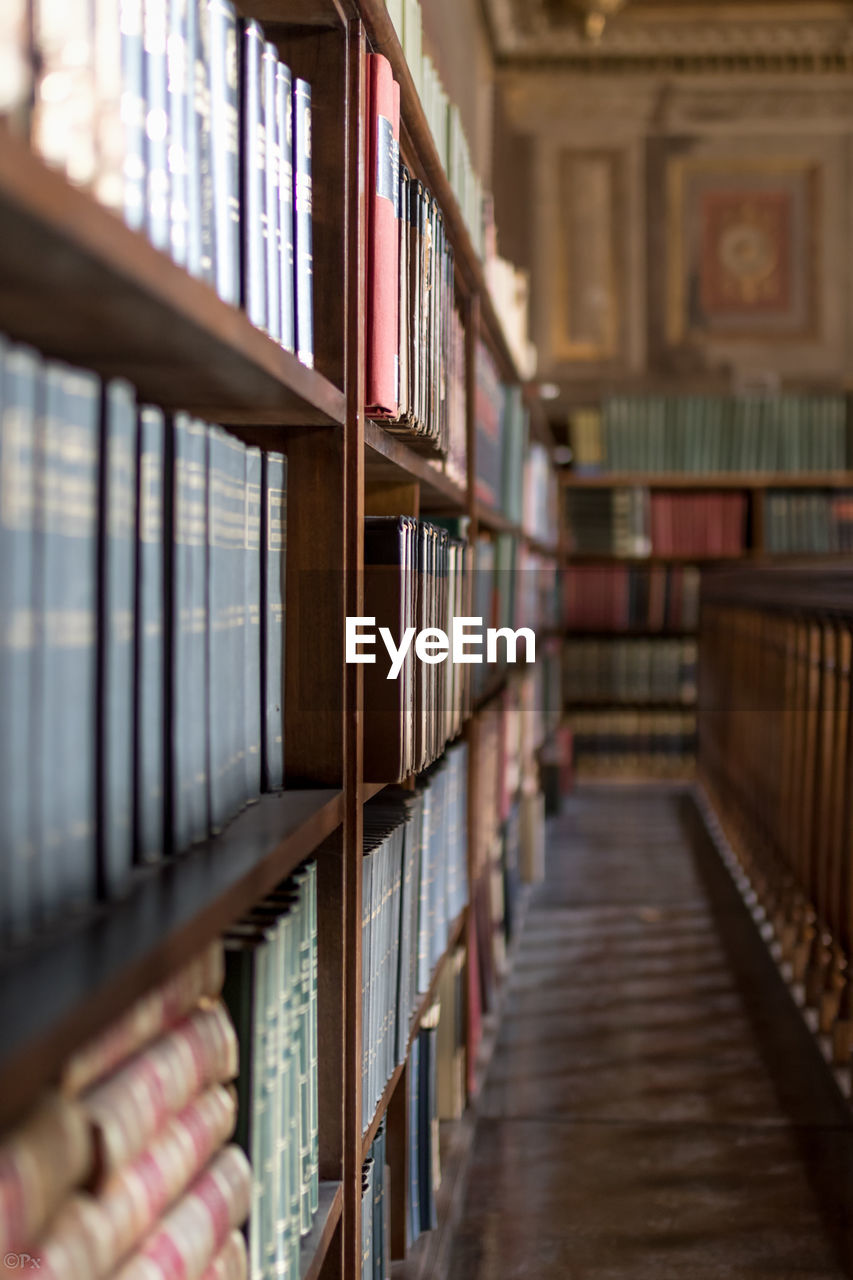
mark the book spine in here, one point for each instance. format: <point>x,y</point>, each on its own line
<point>254,165</point>
<point>147,1019</point>
<point>116,637</point>
<point>137,1196</point>
<point>155,28</point>
<point>272,270</point>
<point>303,242</point>
<point>128,1108</point>
<point>192,1234</point>
<point>150,679</point>
<point>225,148</point>
<point>20,379</point>
<point>383,243</point>
<point>232,1261</point>
<point>274,547</point>
<point>200,246</point>
<point>189,647</point>
<point>252,584</point>
<point>284,134</point>
<point>109,126</point>
<point>180,84</point>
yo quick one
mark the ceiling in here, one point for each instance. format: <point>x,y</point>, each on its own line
<point>601,32</point>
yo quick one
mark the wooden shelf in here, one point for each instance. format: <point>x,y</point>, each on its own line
<point>720,480</point>
<point>634,704</point>
<point>383,38</point>
<point>81,286</point>
<point>59,991</point>
<point>315,1246</point>
<point>423,1006</point>
<point>587,557</point>
<point>388,460</point>
<point>550,550</point>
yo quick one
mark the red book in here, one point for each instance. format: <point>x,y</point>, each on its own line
<point>383,245</point>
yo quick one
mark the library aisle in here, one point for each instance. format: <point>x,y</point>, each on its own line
<point>629,1125</point>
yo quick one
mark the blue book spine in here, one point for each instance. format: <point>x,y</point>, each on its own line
<point>116,636</point>
<point>155,27</point>
<point>252,659</point>
<point>190,819</point>
<point>225,148</point>
<point>284,137</point>
<point>68,516</point>
<point>200,262</point>
<point>133,112</point>
<point>20,376</point>
<point>150,640</point>
<point>180,69</point>
<point>254,176</point>
<point>272,233</point>
<point>237,621</point>
<point>274,547</point>
<point>303,240</point>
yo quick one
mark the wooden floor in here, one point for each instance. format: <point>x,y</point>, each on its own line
<point>633,1124</point>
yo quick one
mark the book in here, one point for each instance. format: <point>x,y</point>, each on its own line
<point>303,252</point>
<point>150,681</point>
<point>254,169</point>
<point>133,112</point>
<point>383,248</point>
<point>225,148</point>
<point>180,69</point>
<point>272,234</point>
<point>284,143</point>
<point>273,551</point>
<point>155,34</point>
<point>116,632</point>
<point>253,692</point>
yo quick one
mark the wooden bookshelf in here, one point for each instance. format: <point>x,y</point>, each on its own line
<point>80,286</point>
<point>720,480</point>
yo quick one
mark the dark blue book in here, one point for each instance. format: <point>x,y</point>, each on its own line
<point>252,656</point>
<point>272,236</point>
<point>155,28</point>
<point>68,546</point>
<point>150,682</point>
<point>133,112</point>
<point>273,563</point>
<point>284,135</point>
<point>254,176</point>
<point>189,754</point>
<point>117,602</point>
<point>180,68</point>
<point>20,379</point>
<point>225,148</point>
<point>200,247</point>
<point>303,236</point>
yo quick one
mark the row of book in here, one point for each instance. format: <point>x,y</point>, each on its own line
<point>415,575</point>
<point>270,989</point>
<point>616,671</point>
<point>442,116</point>
<point>502,428</point>
<point>633,744</point>
<point>625,598</point>
<point>414,886</point>
<point>813,523</point>
<point>541,495</point>
<point>412,323</point>
<point>376,1210</point>
<point>129,1172</point>
<point>704,435</point>
<point>128,536</point>
<point>538,591</point>
<point>635,523</point>
<point>181,117</point>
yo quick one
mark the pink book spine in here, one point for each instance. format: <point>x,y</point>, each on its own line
<point>232,1262</point>
<point>40,1162</point>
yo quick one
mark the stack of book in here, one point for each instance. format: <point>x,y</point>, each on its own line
<point>271,991</point>
<point>412,322</point>
<point>626,744</point>
<point>540,499</point>
<point>141,651</point>
<point>415,575</point>
<point>537,592</point>
<point>616,671</point>
<point>181,117</point>
<point>127,1173</point>
<point>376,1211</point>
<point>414,887</point>
<point>710,434</point>
<point>622,598</point>
<point>633,523</point>
<point>812,523</point>
<point>608,522</point>
<point>501,425</point>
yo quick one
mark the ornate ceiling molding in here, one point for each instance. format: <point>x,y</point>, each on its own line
<point>808,36</point>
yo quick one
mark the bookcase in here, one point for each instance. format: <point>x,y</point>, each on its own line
<point>82,287</point>
<point>636,543</point>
